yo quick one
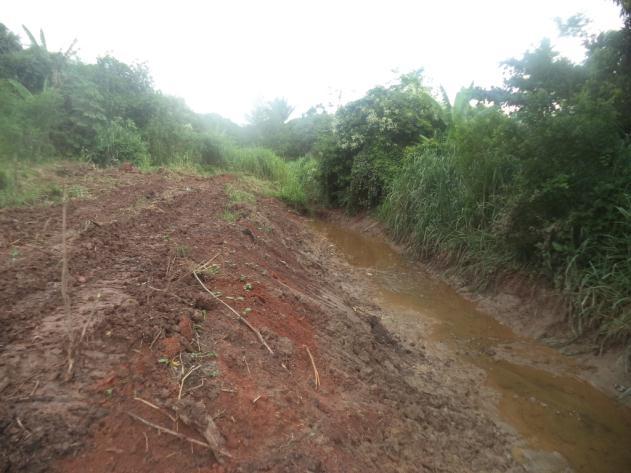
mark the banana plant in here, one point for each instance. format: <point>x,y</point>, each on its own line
<point>461,108</point>
<point>58,60</point>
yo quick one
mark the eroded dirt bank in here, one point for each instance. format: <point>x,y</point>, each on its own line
<point>149,334</point>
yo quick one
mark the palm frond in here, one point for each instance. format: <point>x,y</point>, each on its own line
<point>42,40</point>
<point>31,37</point>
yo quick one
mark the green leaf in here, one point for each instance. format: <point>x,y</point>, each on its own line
<point>22,91</point>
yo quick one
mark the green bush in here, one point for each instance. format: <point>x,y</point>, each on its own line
<point>363,152</point>
<point>26,121</point>
<point>117,142</point>
<point>211,151</point>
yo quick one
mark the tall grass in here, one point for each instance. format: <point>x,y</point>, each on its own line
<point>431,207</point>
<point>258,162</point>
<point>301,188</point>
<point>601,289</point>
<point>27,183</point>
<point>293,181</point>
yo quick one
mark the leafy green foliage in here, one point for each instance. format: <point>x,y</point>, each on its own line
<point>119,141</point>
<point>267,125</point>
<point>9,42</point>
<point>304,132</point>
<point>300,187</point>
<point>258,162</point>
<point>360,156</point>
<point>26,121</point>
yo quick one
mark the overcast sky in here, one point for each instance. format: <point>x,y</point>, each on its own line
<point>226,56</point>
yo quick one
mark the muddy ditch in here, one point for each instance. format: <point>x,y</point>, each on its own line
<point>539,392</point>
<point>528,306</point>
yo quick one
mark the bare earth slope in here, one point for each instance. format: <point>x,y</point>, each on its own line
<point>148,334</point>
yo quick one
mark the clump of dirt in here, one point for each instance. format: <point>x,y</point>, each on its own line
<point>186,327</point>
<point>171,346</point>
<point>161,368</point>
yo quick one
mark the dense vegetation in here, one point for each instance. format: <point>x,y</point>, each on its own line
<point>53,106</point>
<point>535,174</point>
<point>532,175</point>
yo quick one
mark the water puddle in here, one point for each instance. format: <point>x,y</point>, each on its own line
<point>551,408</point>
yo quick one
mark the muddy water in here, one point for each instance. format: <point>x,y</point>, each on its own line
<point>551,408</point>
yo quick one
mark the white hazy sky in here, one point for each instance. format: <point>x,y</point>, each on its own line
<point>226,56</point>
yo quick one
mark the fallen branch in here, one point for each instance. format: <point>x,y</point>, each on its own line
<point>28,432</point>
<point>34,388</point>
<point>168,431</point>
<point>207,263</point>
<point>241,319</point>
<point>155,339</point>
<point>48,252</point>
<point>316,375</point>
<point>154,407</point>
<point>169,265</point>
<point>200,385</point>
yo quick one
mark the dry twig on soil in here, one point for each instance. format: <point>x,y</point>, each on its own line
<point>247,365</point>
<point>179,396</point>
<point>170,262</point>
<point>139,399</point>
<point>200,385</point>
<point>316,375</point>
<point>64,288</point>
<point>34,388</point>
<point>170,294</point>
<point>168,431</point>
<point>241,319</point>
<point>155,339</point>
<point>19,422</point>
<point>205,265</point>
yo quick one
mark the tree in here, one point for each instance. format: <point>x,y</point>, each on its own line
<point>9,42</point>
<point>83,113</point>
<point>304,132</point>
<point>369,137</point>
<point>274,113</point>
<point>56,62</point>
<point>124,88</point>
<point>266,125</point>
